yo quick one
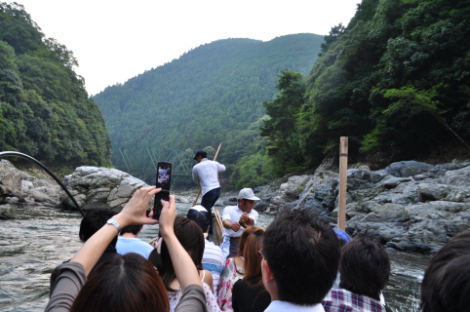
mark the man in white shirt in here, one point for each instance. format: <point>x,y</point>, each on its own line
<point>206,174</point>
<point>300,253</point>
<point>213,259</point>
<point>236,218</point>
<point>128,242</point>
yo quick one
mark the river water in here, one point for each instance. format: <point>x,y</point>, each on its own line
<point>41,238</point>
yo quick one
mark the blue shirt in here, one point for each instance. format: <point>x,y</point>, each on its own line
<point>135,245</point>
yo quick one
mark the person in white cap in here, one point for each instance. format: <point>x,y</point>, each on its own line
<point>237,218</point>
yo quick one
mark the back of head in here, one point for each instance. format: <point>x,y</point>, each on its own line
<point>134,229</point>
<point>251,230</point>
<point>253,259</point>
<point>364,267</point>
<point>123,283</point>
<point>302,252</point>
<point>191,238</point>
<point>199,215</point>
<point>446,283</point>
<point>94,220</point>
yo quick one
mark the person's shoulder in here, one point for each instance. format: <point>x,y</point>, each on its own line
<point>229,208</point>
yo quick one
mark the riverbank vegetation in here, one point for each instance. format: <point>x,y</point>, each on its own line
<point>45,111</point>
<point>396,81</point>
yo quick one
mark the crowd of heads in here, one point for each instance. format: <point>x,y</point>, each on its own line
<point>297,257</point>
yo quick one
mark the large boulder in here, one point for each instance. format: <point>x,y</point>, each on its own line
<point>17,186</point>
<point>98,187</point>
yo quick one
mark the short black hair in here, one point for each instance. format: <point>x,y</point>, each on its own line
<point>94,220</point>
<point>134,229</point>
<point>446,282</point>
<point>364,267</point>
<point>303,253</point>
<point>200,217</point>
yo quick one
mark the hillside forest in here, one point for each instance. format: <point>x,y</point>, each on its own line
<point>395,80</point>
<point>45,111</point>
<point>211,94</point>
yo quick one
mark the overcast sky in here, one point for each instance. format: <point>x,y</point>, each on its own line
<point>115,40</point>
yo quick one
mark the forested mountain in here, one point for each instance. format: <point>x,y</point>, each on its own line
<point>45,111</point>
<point>396,80</point>
<point>211,94</point>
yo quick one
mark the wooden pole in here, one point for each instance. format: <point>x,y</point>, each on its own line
<point>200,190</point>
<point>343,176</point>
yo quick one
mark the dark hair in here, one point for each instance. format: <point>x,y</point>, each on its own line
<point>191,238</point>
<point>303,253</point>
<point>446,283</point>
<point>200,217</point>
<point>134,229</point>
<point>250,230</point>
<point>364,267</point>
<point>94,220</point>
<point>123,283</point>
<point>253,259</point>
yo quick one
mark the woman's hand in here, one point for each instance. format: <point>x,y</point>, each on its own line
<point>167,217</point>
<point>134,211</point>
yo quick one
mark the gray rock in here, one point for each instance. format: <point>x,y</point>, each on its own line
<point>94,187</point>
<point>392,182</point>
<point>408,168</point>
<point>6,212</point>
<point>457,177</point>
<point>429,192</point>
<point>386,213</point>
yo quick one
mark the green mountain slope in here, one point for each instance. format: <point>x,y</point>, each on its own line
<point>209,95</point>
<point>45,111</point>
<point>395,81</point>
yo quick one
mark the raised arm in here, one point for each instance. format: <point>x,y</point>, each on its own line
<point>185,270</point>
<point>132,213</point>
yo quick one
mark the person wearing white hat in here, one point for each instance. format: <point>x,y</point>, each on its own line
<point>237,218</point>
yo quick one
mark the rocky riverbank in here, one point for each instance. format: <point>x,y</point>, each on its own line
<point>408,206</point>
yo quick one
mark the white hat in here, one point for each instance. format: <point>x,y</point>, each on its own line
<point>247,193</point>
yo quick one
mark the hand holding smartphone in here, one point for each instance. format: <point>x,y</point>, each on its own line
<point>163,180</point>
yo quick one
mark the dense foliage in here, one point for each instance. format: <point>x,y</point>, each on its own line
<point>396,81</point>
<point>209,95</point>
<point>45,111</point>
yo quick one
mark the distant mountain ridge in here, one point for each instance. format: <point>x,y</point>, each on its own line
<point>206,96</point>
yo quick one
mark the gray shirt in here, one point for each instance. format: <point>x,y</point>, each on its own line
<point>68,279</point>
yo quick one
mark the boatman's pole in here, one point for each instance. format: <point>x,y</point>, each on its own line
<point>343,176</point>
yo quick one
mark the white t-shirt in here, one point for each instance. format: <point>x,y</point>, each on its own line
<point>233,213</point>
<point>206,174</point>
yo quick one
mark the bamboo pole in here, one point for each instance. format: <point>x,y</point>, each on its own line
<point>200,190</point>
<point>343,176</point>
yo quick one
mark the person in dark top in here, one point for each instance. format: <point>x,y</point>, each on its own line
<point>446,282</point>
<point>94,220</point>
<point>249,294</point>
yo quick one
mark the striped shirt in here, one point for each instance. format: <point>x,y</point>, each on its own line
<point>213,261</point>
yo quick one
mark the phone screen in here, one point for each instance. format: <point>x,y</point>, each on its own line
<point>163,180</point>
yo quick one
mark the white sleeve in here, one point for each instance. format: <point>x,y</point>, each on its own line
<point>220,167</point>
<point>226,214</point>
<point>195,176</point>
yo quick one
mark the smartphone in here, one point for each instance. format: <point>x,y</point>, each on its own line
<point>163,180</point>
